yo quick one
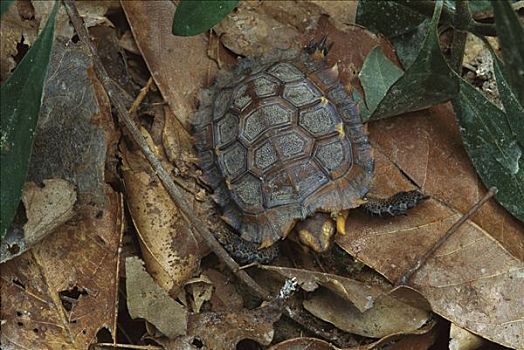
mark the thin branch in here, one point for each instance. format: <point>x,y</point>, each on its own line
<point>178,196</point>
<point>458,45</point>
<point>404,279</point>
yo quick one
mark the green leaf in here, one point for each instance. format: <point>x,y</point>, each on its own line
<point>377,75</point>
<point>4,6</point>
<point>514,110</point>
<point>195,17</point>
<point>492,145</point>
<point>404,27</point>
<point>387,17</point>
<point>428,81</point>
<point>511,36</point>
<point>21,97</point>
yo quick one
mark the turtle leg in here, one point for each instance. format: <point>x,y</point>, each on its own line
<point>316,232</point>
<point>397,204</point>
<point>245,252</point>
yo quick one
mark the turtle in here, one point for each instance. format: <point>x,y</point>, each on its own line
<point>280,143</point>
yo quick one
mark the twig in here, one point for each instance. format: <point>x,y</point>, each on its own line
<point>143,93</point>
<point>129,346</point>
<point>458,45</point>
<point>404,279</point>
<point>178,196</point>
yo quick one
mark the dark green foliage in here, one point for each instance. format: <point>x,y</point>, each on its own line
<point>195,17</point>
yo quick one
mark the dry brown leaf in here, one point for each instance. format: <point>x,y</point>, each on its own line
<point>303,343</point>
<point>47,207</point>
<point>472,280</point>
<point>255,28</point>
<point>169,248</point>
<point>62,292</point>
<point>147,300</point>
<point>225,296</point>
<point>388,316</point>
<point>361,295</point>
<point>200,289</point>
<point>427,147</point>
<point>223,330</point>
<point>179,65</point>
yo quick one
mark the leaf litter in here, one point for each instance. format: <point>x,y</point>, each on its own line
<point>472,269</point>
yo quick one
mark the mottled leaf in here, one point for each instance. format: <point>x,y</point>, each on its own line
<point>195,17</point>
<point>21,97</point>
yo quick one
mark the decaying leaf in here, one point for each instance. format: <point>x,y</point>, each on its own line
<point>47,207</point>
<point>179,65</point>
<point>169,247</point>
<point>225,297</point>
<point>360,294</point>
<point>387,316</point>
<point>147,300</point>
<point>64,290</point>
<point>472,280</point>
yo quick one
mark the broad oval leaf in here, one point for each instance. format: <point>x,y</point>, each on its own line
<point>195,17</point>
<point>21,97</point>
<point>377,75</point>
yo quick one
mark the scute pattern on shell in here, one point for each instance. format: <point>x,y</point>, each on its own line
<point>278,139</point>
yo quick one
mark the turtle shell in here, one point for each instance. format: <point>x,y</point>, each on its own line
<point>278,139</point>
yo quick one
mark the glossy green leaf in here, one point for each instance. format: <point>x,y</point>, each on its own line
<point>428,81</point>
<point>4,6</point>
<point>193,17</point>
<point>491,143</point>
<point>377,75</point>
<point>511,36</point>
<point>21,97</point>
